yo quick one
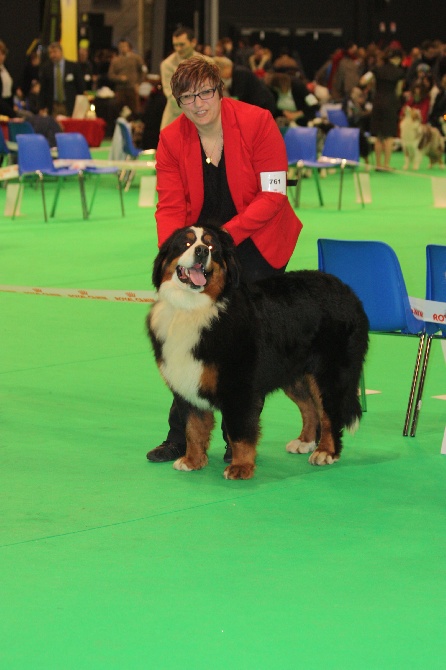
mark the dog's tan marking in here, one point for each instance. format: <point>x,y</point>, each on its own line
<point>209,379</point>
<point>325,453</point>
<point>169,271</point>
<point>243,461</point>
<point>198,432</point>
<point>216,282</point>
<point>306,441</point>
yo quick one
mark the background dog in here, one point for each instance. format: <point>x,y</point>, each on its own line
<point>221,345</point>
<point>418,140</point>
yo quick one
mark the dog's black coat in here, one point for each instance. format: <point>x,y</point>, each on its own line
<point>305,332</point>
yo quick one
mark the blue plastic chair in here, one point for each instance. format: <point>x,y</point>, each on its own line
<point>435,290</point>
<point>75,146</point>
<point>131,152</point>
<point>301,149</point>
<point>34,159</point>
<point>340,150</point>
<point>19,128</point>
<point>338,118</point>
<point>373,271</point>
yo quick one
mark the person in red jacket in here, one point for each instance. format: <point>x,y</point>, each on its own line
<point>222,161</point>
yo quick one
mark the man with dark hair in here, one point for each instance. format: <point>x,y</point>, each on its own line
<point>184,43</point>
<point>60,81</point>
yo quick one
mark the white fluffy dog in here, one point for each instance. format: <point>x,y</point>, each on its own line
<point>418,140</point>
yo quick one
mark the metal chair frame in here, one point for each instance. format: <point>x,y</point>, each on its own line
<point>34,160</point>
<point>75,146</point>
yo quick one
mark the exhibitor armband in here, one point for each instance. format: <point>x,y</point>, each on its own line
<point>274,182</point>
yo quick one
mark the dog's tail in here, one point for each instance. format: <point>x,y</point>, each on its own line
<point>355,351</point>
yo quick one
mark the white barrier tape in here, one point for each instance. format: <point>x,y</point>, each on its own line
<point>428,310</point>
<point>12,171</point>
<point>122,165</point>
<point>84,294</point>
<point>424,310</point>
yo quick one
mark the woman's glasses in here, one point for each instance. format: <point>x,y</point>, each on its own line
<point>189,98</point>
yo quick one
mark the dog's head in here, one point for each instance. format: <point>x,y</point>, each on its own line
<point>196,261</point>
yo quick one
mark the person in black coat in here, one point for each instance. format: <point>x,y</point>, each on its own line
<point>72,83</point>
<point>242,84</point>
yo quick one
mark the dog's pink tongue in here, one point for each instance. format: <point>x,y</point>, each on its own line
<point>196,276</point>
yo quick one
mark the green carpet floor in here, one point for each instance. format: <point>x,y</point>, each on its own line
<point>108,561</point>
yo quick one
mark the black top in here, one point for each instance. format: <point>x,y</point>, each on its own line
<point>218,208</point>
<point>218,205</point>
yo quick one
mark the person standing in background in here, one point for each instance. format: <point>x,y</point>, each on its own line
<point>60,81</point>
<point>126,73</point>
<point>6,84</point>
<point>184,43</point>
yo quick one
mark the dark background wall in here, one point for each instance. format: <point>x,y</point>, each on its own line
<point>314,28</point>
<point>20,22</point>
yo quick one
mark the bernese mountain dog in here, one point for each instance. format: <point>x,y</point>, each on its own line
<point>224,345</point>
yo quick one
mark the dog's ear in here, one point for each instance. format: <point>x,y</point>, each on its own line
<point>160,261</point>
<point>158,269</point>
<point>233,269</point>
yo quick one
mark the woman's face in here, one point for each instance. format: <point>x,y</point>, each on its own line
<point>203,113</point>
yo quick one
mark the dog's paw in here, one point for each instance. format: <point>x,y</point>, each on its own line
<point>187,465</point>
<point>239,471</point>
<point>323,458</point>
<point>299,447</point>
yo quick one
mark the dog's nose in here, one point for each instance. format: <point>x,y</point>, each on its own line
<point>201,252</point>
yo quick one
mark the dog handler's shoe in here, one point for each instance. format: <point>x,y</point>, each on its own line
<point>228,454</point>
<point>167,451</point>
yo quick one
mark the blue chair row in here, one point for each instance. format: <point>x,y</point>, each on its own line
<point>340,150</point>
<point>75,146</point>
<point>35,161</point>
<point>373,271</point>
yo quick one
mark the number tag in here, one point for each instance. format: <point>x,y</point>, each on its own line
<point>274,182</point>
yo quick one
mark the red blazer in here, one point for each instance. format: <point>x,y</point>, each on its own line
<point>252,144</point>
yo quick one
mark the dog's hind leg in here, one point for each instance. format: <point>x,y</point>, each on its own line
<point>330,444</point>
<point>198,432</point>
<point>329,448</point>
<point>300,394</point>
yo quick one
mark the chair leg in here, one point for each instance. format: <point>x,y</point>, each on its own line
<point>56,197</point>
<point>341,185</point>
<point>359,187</point>
<point>298,186</point>
<point>362,393</point>
<point>82,192</point>
<point>318,186</point>
<point>414,384</point>
<point>129,180</point>
<point>120,195</point>
<point>413,428</point>
<point>19,192</point>
<point>96,178</point>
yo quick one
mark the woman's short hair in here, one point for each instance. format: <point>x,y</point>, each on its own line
<point>192,73</point>
<point>3,48</point>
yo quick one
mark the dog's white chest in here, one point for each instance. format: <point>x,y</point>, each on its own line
<point>179,332</point>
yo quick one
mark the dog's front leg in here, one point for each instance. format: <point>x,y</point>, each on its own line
<point>198,431</point>
<point>243,460</point>
<point>243,427</point>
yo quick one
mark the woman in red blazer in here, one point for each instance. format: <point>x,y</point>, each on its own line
<point>225,162</point>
